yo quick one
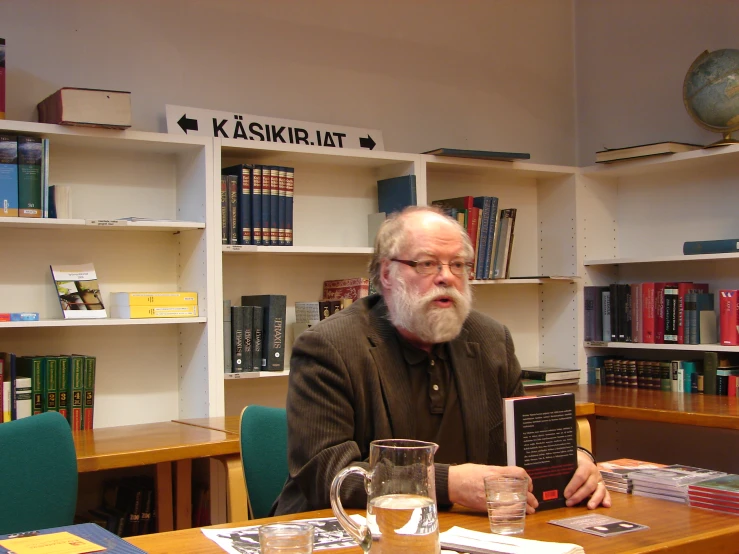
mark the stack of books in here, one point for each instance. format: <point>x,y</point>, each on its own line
<point>549,376</point>
<point>615,473</point>
<point>720,494</point>
<point>669,482</point>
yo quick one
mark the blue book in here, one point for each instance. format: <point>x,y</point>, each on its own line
<point>281,205</point>
<point>710,246</point>
<point>8,176</point>
<point>92,532</point>
<point>274,201</point>
<point>266,204</point>
<point>396,193</point>
<point>486,204</point>
<point>243,173</point>
<point>256,205</point>
<point>289,194</point>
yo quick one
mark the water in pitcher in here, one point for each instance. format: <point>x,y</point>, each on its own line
<point>407,522</point>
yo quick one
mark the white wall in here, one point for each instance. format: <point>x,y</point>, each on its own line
<point>481,74</point>
<point>631,59</point>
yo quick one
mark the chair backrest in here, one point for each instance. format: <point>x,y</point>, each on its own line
<point>263,440</point>
<point>38,473</point>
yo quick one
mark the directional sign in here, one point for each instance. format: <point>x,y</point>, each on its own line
<point>212,123</point>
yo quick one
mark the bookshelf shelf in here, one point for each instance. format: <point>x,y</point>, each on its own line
<point>58,224</point>
<point>526,280</point>
<point>255,375</point>
<point>671,347</point>
<point>100,322</point>
<point>301,250</point>
<point>663,259</point>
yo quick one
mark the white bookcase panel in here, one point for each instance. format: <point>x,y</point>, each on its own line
<point>137,366</point>
<point>335,191</point>
<point>147,371</point>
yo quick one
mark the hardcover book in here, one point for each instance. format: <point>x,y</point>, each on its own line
<point>30,154</point>
<point>354,288</point>
<point>550,373</point>
<point>87,107</point>
<point>243,175</point>
<point>88,402</point>
<point>274,307</point>
<point>2,78</point>
<point>8,175</point>
<point>540,438</point>
<point>79,292</point>
<point>227,360</point>
<point>643,150</point>
<point>479,154</point>
<point>721,246</point>
<point>396,193</point>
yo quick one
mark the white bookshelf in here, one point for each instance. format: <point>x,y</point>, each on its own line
<point>542,318</point>
<point>637,214</point>
<point>147,370</point>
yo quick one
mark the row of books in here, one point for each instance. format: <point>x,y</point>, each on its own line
<point>254,334</point>
<point>257,205</point>
<point>31,385</point>
<point>24,176</point>
<point>698,487</point>
<point>660,313</point>
<point>708,376</point>
<point>490,231</point>
<point>127,509</point>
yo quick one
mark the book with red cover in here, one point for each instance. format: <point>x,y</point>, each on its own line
<point>354,288</point>
<point>87,107</point>
<point>728,310</point>
<point>648,312</point>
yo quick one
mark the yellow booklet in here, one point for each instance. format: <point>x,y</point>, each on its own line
<point>54,543</point>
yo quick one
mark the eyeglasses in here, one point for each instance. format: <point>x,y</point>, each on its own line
<point>430,267</point>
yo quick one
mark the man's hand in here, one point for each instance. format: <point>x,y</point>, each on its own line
<point>467,486</point>
<point>586,482</point>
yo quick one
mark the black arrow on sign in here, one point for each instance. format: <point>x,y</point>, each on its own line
<point>367,142</point>
<point>188,124</point>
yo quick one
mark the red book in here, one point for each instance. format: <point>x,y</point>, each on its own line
<point>473,222</point>
<point>648,312</point>
<point>354,288</point>
<point>733,379</point>
<point>728,317</point>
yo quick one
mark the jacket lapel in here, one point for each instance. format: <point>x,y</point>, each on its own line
<point>471,388</point>
<point>392,371</point>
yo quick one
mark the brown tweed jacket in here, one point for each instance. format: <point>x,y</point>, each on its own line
<point>347,387</point>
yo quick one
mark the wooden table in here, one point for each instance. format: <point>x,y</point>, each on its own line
<point>674,529</point>
<point>159,444</point>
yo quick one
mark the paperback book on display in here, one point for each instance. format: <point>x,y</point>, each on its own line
<point>669,482</point>
<point>79,292</point>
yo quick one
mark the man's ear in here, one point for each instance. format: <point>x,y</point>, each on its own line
<point>385,275</point>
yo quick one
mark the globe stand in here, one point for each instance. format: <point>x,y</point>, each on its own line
<point>725,141</point>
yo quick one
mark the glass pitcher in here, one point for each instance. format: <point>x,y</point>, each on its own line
<point>401,499</point>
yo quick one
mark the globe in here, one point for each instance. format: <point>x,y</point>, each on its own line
<point>711,93</point>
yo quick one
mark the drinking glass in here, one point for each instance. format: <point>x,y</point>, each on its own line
<point>506,500</point>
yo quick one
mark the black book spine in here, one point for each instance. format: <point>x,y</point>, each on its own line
<point>237,342</point>
<point>273,345</point>
<point>247,349</point>
<point>671,315</point>
<point>258,361</point>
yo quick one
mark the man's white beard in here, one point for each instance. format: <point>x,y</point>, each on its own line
<point>418,315</point>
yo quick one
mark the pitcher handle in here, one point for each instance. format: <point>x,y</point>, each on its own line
<point>360,533</point>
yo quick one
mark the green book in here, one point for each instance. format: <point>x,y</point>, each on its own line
<point>88,404</point>
<point>63,385</point>
<point>51,388</point>
<point>710,365</point>
<point>31,367</point>
<point>29,176</point>
<point>76,391</point>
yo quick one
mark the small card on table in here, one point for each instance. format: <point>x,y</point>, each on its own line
<point>600,525</point>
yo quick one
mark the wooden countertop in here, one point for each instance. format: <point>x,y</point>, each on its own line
<point>150,443</point>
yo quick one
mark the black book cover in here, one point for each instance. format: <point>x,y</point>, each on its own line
<point>247,313</point>
<point>671,314</point>
<point>615,312</point>
<point>258,360</point>
<point>273,324</point>
<point>237,339</point>
<point>540,438</point>
<point>243,224</point>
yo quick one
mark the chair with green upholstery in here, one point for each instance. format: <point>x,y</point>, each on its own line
<point>38,473</point>
<point>263,438</point>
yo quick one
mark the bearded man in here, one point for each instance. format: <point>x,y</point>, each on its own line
<point>414,362</point>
